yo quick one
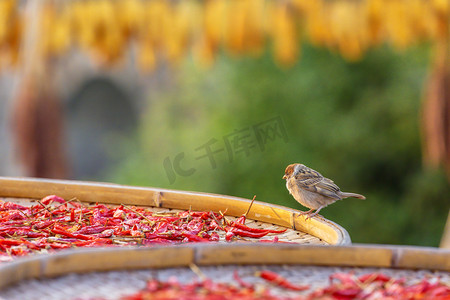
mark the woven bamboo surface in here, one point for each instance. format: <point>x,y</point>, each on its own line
<point>111,273</point>
<point>316,230</point>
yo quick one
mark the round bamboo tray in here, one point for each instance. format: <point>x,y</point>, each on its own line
<point>317,230</point>
<point>70,274</point>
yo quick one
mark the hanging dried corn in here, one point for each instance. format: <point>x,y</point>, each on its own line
<point>171,30</point>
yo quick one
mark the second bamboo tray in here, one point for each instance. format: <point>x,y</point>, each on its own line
<point>152,260</point>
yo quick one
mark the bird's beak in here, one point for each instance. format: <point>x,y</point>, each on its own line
<point>284,176</point>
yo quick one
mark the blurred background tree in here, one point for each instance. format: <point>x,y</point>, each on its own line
<point>357,123</point>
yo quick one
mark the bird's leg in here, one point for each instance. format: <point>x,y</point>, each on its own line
<point>305,212</point>
<point>315,213</point>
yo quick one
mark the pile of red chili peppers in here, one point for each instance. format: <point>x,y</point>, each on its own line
<point>55,223</point>
<point>342,286</point>
<point>380,286</point>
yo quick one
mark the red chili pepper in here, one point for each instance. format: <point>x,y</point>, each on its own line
<point>72,215</point>
<point>14,232</point>
<point>256,230</point>
<point>92,229</point>
<point>12,228</point>
<point>347,293</point>
<point>229,236</point>
<point>158,241</point>
<point>71,235</point>
<point>213,225</point>
<point>244,233</point>
<point>121,232</point>
<point>281,281</point>
<point>161,227</point>
<point>105,234</point>
<point>439,292</point>
<point>7,242</point>
<point>52,198</point>
<point>276,240</point>
<point>194,238</point>
<point>214,237</point>
<point>11,205</point>
<point>370,277</point>
<point>16,215</point>
<point>34,234</point>
<point>195,226</point>
<point>344,278</point>
<point>119,213</point>
<point>57,245</point>
<point>240,220</point>
<point>44,224</point>
<point>240,281</point>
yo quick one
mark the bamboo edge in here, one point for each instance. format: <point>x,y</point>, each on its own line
<point>133,258</point>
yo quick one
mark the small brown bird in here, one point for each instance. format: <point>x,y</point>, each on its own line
<point>311,189</point>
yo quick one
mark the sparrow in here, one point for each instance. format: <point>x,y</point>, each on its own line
<point>312,190</point>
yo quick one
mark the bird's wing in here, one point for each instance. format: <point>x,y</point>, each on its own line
<point>313,181</point>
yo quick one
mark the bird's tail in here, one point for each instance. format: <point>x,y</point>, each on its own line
<point>347,195</point>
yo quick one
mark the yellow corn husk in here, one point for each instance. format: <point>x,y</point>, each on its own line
<point>373,10</point>
<point>430,22</point>
<point>155,22</point>
<point>7,12</point>
<point>441,13</point>
<point>151,32</point>
<point>130,15</point>
<point>215,14</point>
<point>235,26</point>
<point>11,29</point>
<point>146,56</point>
<point>179,30</point>
<point>47,18</point>
<point>56,26</point>
<point>204,52</point>
<point>441,6</point>
<point>347,29</point>
<point>316,23</point>
<point>61,37</point>
<point>416,18</point>
<point>83,20</point>
<point>109,42</point>
<point>255,27</point>
<point>397,24</point>
<point>285,36</point>
<point>11,48</point>
<point>303,7</point>
<point>168,28</point>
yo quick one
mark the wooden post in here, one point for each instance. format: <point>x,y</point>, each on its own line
<point>445,242</point>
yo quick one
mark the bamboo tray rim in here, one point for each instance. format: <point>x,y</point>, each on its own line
<point>24,187</point>
<point>159,257</point>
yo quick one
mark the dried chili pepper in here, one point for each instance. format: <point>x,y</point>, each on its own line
<point>280,281</point>
<point>380,286</point>
<point>255,230</point>
<point>194,238</point>
<point>52,198</point>
<point>243,233</point>
<point>241,282</point>
<point>370,277</point>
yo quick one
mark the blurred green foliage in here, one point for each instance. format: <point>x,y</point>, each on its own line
<point>356,123</point>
